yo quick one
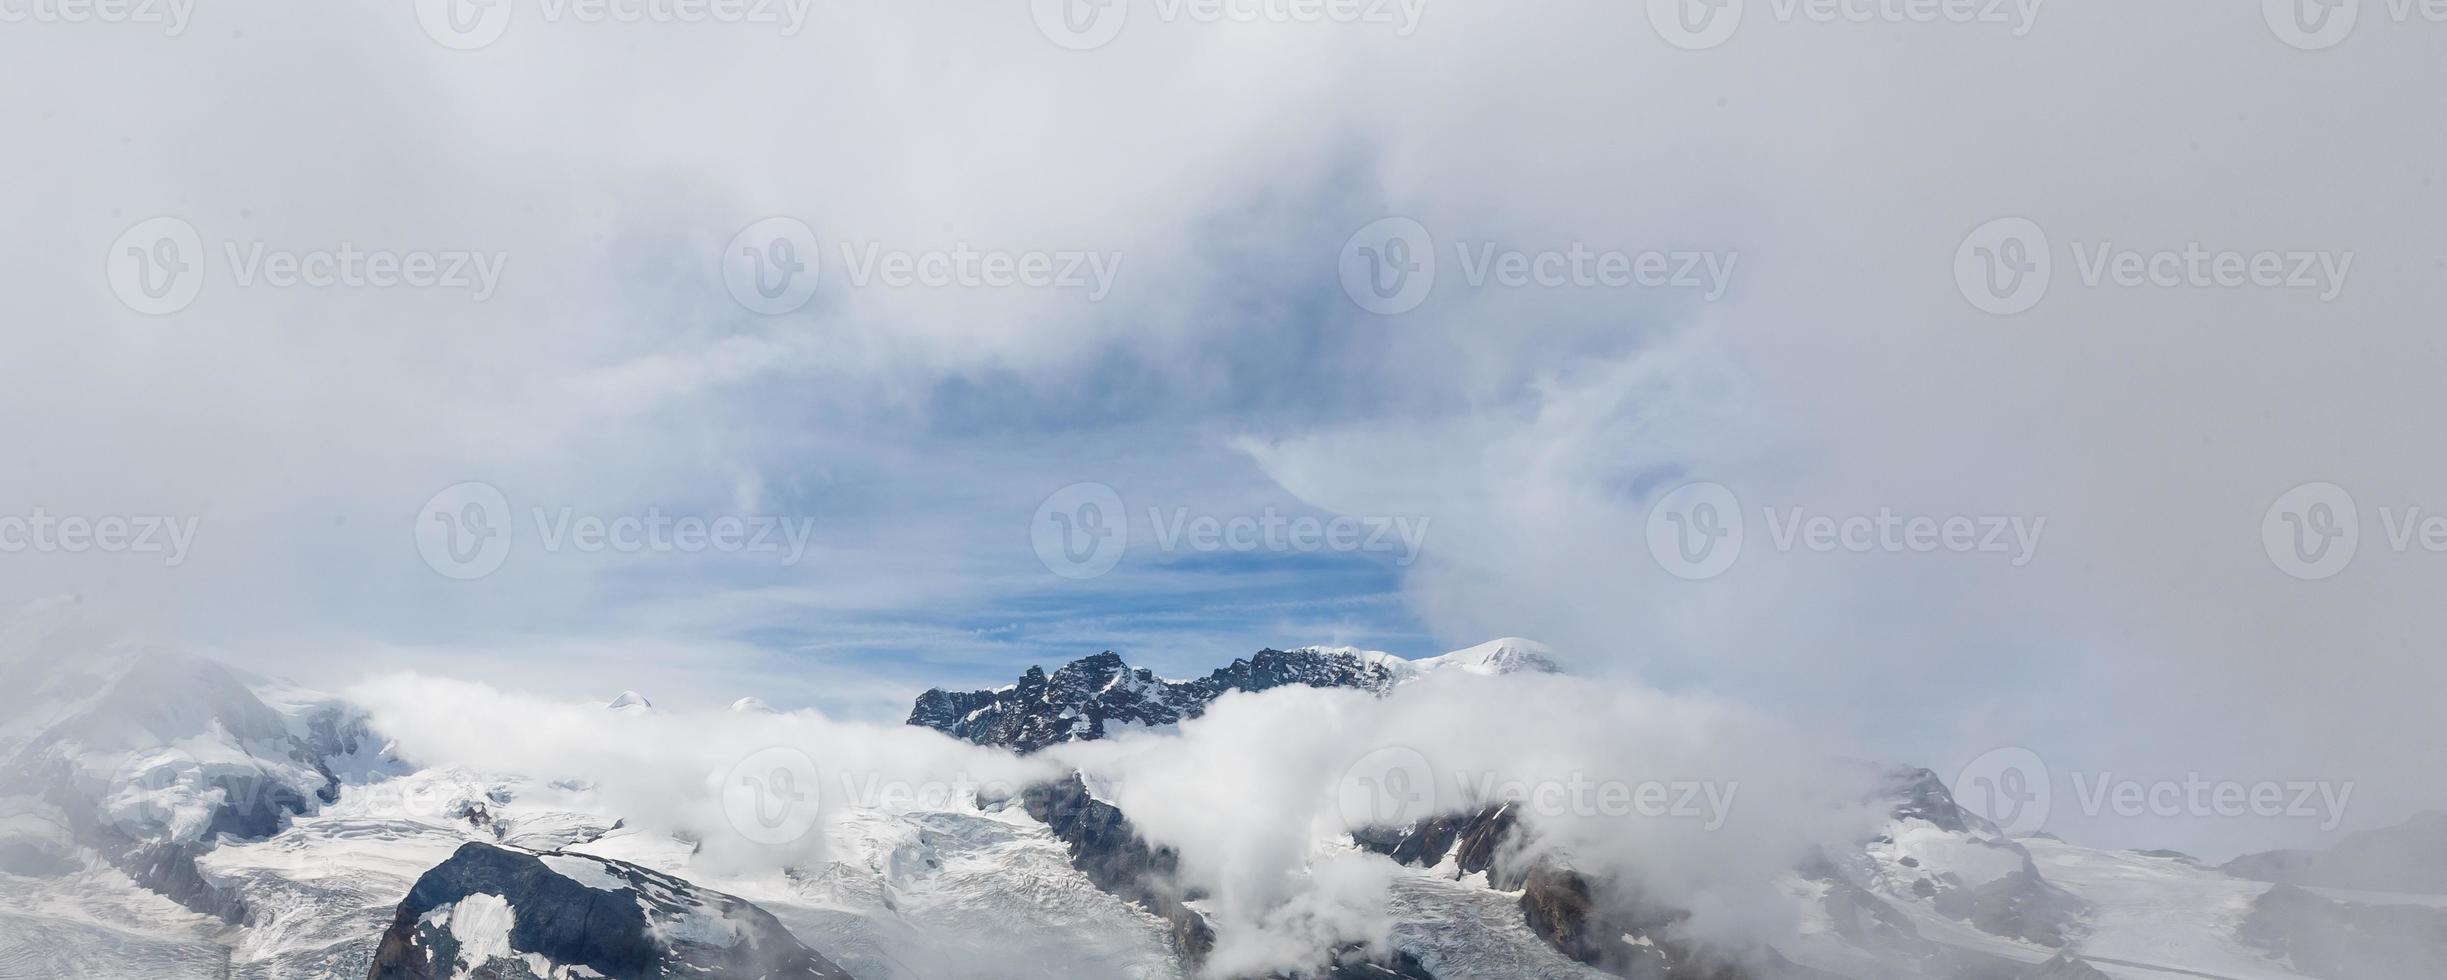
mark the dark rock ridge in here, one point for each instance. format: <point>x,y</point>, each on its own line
<point>1917,794</point>
<point>1110,852</point>
<point>1475,841</point>
<point>505,914</point>
<point>1610,928</point>
<point>1090,696</point>
<point>2020,905</point>
<point>1105,847</point>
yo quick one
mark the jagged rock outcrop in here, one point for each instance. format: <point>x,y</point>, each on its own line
<point>1612,929</point>
<point>1090,697</point>
<point>499,913</point>
<point>1105,847</point>
<point>1110,852</point>
<point>1476,842</point>
<point>1994,886</point>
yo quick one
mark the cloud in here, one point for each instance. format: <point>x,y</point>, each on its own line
<point>679,772</point>
<point>1704,804</point>
<point>1842,370</point>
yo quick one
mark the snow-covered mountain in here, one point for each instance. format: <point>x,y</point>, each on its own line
<point>164,817</point>
<point>1093,696</point>
<point>503,912</point>
<point>1508,655</point>
<point>1090,697</point>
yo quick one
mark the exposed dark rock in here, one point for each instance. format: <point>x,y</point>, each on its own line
<point>1562,906</point>
<point>1357,962</point>
<point>1475,841</point>
<point>1918,794</point>
<point>2021,905</point>
<point>1087,697</point>
<point>506,914</point>
<point>1110,852</point>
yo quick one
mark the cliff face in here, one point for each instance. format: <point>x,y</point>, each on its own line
<point>1089,697</point>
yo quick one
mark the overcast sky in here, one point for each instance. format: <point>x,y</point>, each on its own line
<point>1738,260</point>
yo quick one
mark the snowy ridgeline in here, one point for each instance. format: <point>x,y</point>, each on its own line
<point>165,817</point>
